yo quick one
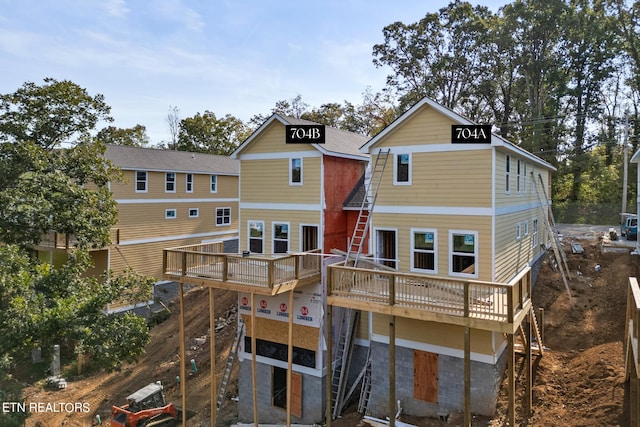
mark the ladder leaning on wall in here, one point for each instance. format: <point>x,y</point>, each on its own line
<point>550,225</point>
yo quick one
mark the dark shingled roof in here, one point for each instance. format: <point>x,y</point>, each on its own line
<point>153,159</point>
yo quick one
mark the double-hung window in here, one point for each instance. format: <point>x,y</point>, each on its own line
<point>214,183</point>
<point>170,182</point>
<point>423,250</point>
<point>256,236</point>
<point>189,182</point>
<point>141,181</point>
<point>295,171</point>
<point>280,238</point>
<point>507,173</point>
<point>402,169</point>
<point>463,252</point>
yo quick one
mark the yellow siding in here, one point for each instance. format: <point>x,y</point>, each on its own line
<point>272,140</point>
<point>527,192</point>
<point>426,126</point>
<point>294,218</point>
<point>453,178</point>
<point>267,181</point>
<point>437,334</point>
<point>442,223</point>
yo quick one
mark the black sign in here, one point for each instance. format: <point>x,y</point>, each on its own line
<point>471,134</point>
<point>304,134</point>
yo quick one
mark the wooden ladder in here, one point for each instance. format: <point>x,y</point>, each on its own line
<point>228,367</point>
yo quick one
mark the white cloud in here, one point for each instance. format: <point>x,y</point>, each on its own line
<point>116,8</point>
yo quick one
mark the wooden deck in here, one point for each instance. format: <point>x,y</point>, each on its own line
<point>205,265</point>
<point>477,304</point>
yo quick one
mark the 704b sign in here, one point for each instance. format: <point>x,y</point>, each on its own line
<point>471,134</point>
<point>305,134</point>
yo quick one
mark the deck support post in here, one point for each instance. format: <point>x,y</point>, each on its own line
<point>392,371</point>
<point>254,381</point>
<point>328,364</point>
<point>511,417</point>
<point>467,376</point>
<point>183,357</point>
<point>212,355</point>
<point>527,361</point>
<point>289,357</point>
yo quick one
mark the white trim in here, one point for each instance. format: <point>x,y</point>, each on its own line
<point>445,351</point>
<point>395,169</point>
<point>174,201</point>
<point>166,213</point>
<point>435,250</point>
<point>437,148</point>
<point>273,236</point>
<point>178,237</point>
<point>187,182</point>
<point>223,216</point>
<point>432,210</point>
<point>210,182</point>
<point>475,253</point>
<point>166,181</point>
<point>281,206</point>
<point>375,246</point>
<point>280,155</point>
<point>518,231</point>
<point>507,174</point>
<point>193,216</point>
<point>135,178</point>
<point>249,221</point>
<point>494,171</point>
<point>290,162</point>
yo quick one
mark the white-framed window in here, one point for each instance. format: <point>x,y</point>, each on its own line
<point>194,212</point>
<point>507,173</point>
<point>518,177</point>
<point>141,182</point>
<point>170,182</point>
<point>256,236</point>
<point>534,233</point>
<point>223,216</point>
<point>295,171</point>
<point>518,231</point>
<point>189,182</point>
<point>214,183</point>
<point>526,228</point>
<point>463,253</point>
<point>402,169</point>
<point>170,214</point>
<point>280,237</point>
<point>524,178</point>
<point>424,245</point>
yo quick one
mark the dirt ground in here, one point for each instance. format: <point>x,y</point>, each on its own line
<point>578,382</point>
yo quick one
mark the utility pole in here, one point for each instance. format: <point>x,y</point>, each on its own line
<point>625,167</point>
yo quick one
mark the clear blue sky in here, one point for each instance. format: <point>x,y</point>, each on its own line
<point>227,56</point>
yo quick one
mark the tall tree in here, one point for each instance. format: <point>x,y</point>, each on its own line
<point>206,133</point>
<point>133,137</point>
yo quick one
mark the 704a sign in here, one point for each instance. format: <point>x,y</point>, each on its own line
<point>305,134</point>
<point>471,134</point>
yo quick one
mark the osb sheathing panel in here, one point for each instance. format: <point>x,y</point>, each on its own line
<point>275,331</point>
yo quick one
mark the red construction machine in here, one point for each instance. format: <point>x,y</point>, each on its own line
<point>146,408</point>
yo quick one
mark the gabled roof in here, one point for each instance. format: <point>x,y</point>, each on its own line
<point>338,143</point>
<point>636,157</point>
<point>152,159</point>
<point>496,140</point>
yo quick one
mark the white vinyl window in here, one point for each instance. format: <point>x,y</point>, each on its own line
<point>534,233</point>
<point>295,171</point>
<point>280,237</point>
<point>518,176</point>
<point>189,182</point>
<point>507,173</point>
<point>214,183</point>
<point>170,214</point>
<point>170,182</point>
<point>141,181</point>
<point>223,216</point>
<point>256,236</point>
<point>463,253</point>
<point>518,231</point>
<point>194,212</point>
<point>402,169</point>
<point>424,244</point>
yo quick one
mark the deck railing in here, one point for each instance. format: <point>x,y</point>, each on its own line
<point>56,240</point>
<point>457,297</point>
<point>632,328</point>
<point>209,262</point>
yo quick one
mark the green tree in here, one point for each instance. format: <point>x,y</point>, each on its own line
<point>133,137</point>
<point>53,177</point>
<point>206,133</point>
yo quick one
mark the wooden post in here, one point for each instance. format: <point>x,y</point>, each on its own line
<point>467,361</point>
<point>541,324</point>
<point>392,372</point>
<point>511,418</point>
<point>289,357</point>
<point>212,353</point>
<point>183,366</point>
<point>527,362</point>
<point>328,363</point>
<point>253,359</point>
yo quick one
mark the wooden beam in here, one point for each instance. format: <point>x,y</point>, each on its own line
<point>289,357</point>
<point>254,380</point>
<point>392,372</point>
<point>511,416</point>
<point>527,366</point>
<point>183,366</point>
<point>328,364</point>
<point>467,377</point>
<point>212,355</point>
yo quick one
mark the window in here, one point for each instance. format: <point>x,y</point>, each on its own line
<point>524,179</point>
<point>534,233</point>
<point>223,216</point>
<point>170,182</point>
<point>526,228</point>
<point>189,179</point>
<point>423,251</point>
<point>518,176</point>
<point>141,181</point>
<point>214,183</point>
<point>507,171</point>
<point>193,212</point>
<point>280,238</point>
<point>295,172</point>
<point>464,253</point>
<point>256,236</point>
<point>170,214</point>
<point>402,169</point>
<point>518,231</point>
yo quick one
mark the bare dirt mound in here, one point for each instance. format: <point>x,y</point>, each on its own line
<point>161,362</point>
